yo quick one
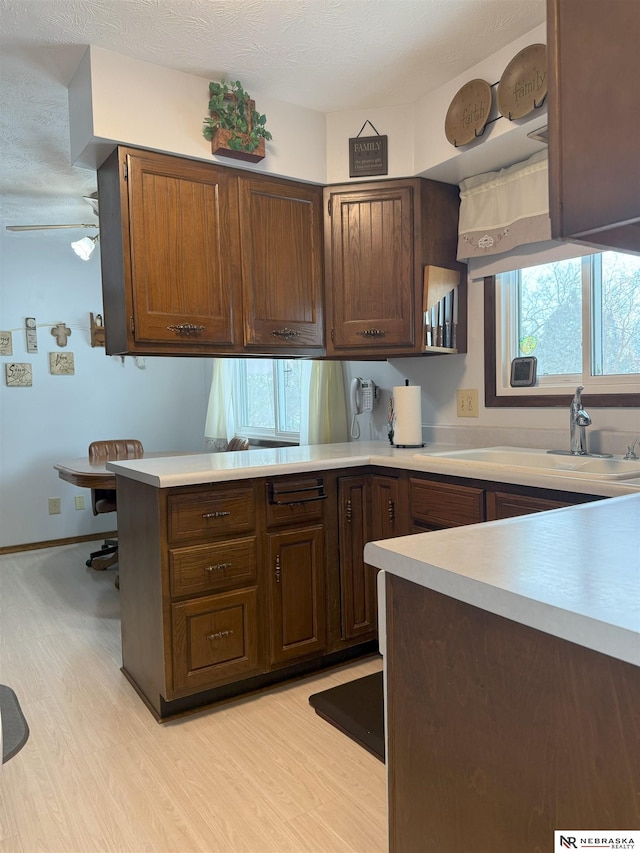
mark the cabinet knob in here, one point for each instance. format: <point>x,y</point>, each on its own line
<point>285,334</point>
<point>218,567</point>
<point>215,514</point>
<point>219,635</point>
<point>187,329</point>
<point>372,333</point>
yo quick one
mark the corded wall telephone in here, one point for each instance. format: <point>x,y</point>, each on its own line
<point>363,394</point>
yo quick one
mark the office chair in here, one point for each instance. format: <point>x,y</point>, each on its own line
<point>238,443</point>
<point>104,500</point>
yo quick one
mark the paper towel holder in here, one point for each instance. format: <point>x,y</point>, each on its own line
<point>392,423</point>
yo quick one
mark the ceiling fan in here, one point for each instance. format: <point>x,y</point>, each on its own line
<point>83,247</point>
<point>90,199</point>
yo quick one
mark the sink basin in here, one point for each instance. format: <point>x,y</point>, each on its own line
<point>542,462</point>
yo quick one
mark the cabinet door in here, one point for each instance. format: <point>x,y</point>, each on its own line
<point>179,242</point>
<point>388,514</point>
<point>370,267</point>
<point>281,250</point>
<point>215,639</point>
<point>298,593</point>
<point>594,121</point>
<point>357,579</point>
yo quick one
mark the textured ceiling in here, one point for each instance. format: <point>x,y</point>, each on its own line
<point>324,54</point>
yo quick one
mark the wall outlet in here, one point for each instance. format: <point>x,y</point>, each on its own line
<point>467,402</point>
<point>79,501</point>
<point>54,506</point>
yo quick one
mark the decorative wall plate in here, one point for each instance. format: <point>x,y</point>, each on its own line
<point>468,113</point>
<point>523,85</point>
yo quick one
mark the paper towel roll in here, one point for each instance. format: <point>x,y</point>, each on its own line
<point>407,407</point>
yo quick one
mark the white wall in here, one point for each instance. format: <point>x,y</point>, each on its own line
<point>162,405</point>
<point>119,99</point>
<point>441,376</point>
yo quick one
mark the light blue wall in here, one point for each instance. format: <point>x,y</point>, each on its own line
<point>163,405</point>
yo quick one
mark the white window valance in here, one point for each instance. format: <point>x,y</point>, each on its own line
<point>500,211</point>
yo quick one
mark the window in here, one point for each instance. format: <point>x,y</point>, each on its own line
<point>267,398</point>
<point>579,317</point>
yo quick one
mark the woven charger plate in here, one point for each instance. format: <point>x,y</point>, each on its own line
<point>523,86</point>
<point>468,113</point>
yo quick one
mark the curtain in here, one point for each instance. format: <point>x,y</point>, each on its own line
<point>220,425</point>
<point>504,220</point>
<point>323,410</point>
<point>500,211</point>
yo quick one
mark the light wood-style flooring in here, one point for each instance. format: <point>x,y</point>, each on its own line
<point>99,774</point>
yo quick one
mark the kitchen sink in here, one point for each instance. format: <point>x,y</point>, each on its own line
<point>542,462</point>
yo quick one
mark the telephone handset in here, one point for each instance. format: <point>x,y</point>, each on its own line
<point>363,394</point>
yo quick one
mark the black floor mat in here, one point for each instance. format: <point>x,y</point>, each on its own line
<point>357,709</point>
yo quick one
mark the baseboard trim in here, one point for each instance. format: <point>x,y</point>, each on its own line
<point>53,543</point>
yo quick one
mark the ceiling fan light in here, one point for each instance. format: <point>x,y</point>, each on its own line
<point>84,247</point>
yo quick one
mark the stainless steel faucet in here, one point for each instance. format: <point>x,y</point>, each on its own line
<point>579,419</point>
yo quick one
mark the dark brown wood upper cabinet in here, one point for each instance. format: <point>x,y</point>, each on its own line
<point>594,121</point>
<point>281,255</point>
<point>378,238</point>
<point>169,237</point>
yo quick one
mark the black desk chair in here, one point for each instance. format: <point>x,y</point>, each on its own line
<point>104,500</point>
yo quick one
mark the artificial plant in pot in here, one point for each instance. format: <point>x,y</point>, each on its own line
<point>234,126</point>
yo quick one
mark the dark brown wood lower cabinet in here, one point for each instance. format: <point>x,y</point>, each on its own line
<point>499,733</point>
<point>297,600</point>
<point>506,505</point>
<point>357,579</point>
<point>215,639</point>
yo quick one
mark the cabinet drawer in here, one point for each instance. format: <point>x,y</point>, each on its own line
<point>204,568</point>
<point>215,639</point>
<point>506,505</point>
<point>437,505</point>
<point>209,514</point>
<point>295,500</point>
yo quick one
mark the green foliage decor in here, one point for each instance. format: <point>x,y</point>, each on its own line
<point>230,109</point>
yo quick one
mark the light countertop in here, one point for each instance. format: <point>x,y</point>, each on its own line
<point>196,469</point>
<point>573,572</point>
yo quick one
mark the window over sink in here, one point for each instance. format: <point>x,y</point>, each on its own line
<point>579,317</point>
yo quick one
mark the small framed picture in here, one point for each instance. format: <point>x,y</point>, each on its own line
<point>61,364</point>
<point>523,371</point>
<point>6,343</point>
<point>18,374</point>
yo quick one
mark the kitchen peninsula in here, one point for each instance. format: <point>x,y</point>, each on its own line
<point>238,570</point>
<point>513,649</point>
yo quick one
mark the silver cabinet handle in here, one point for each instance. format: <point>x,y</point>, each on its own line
<point>215,514</point>
<point>372,333</point>
<point>218,567</point>
<point>286,334</point>
<point>219,635</point>
<point>187,329</point>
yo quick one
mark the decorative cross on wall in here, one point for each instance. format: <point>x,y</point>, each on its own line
<point>61,333</point>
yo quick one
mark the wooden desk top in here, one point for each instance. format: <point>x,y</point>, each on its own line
<point>83,473</point>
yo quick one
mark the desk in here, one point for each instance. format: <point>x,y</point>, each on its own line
<point>87,475</point>
<point>81,472</point>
